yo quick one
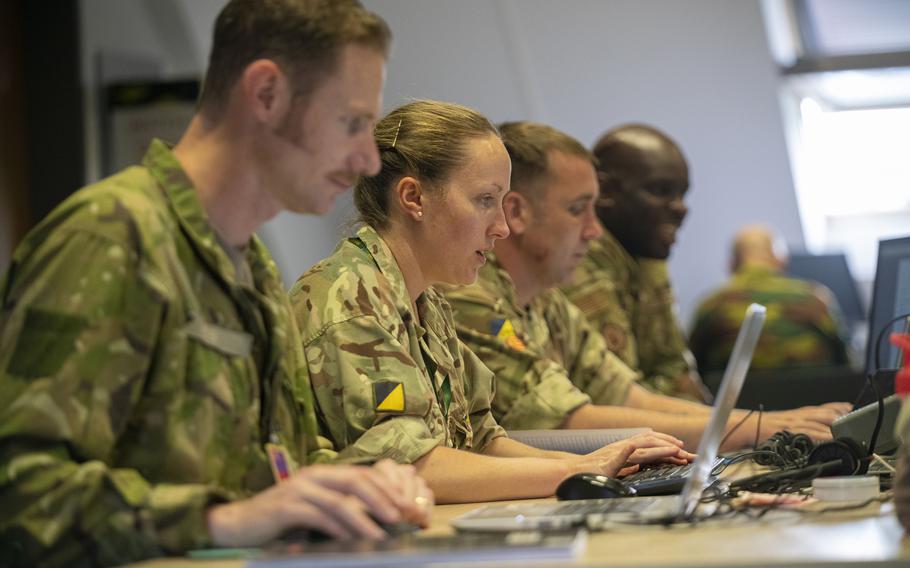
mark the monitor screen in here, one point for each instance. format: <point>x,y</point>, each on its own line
<point>890,298</point>
<point>832,271</point>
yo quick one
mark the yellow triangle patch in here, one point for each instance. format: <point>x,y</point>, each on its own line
<point>394,401</point>
<point>506,331</point>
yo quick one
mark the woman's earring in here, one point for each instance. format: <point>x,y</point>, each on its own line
<point>420,213</point>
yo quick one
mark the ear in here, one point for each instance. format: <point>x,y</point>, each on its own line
<point>518,212</point>
<point>610,185</point>
<point>266,91</point>
<point>409,195</point>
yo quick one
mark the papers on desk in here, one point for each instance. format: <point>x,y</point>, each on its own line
<point>412,549</point>
<point>574,441</point>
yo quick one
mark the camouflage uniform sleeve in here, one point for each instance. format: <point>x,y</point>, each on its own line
<point>480,382</point>
<point>660,341</point>
<point>78,329</point>
<point>532,391</point>
<point>592,367</point>
<point>595,293</point>
<point>356,367</point>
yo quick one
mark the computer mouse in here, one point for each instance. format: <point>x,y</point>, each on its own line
<point>313,536</point>
<point>592,486</point>
<point>401,528</point>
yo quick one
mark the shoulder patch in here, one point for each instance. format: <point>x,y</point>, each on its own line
<point>389,396</point>
<point>615,337</point>
<point>505,331</point>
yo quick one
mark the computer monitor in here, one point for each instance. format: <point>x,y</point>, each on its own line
<point>832,271</point>
<point>890,298</point>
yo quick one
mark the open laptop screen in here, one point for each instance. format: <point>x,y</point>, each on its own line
<point>730,387</point>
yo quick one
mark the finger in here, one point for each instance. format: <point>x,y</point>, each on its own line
<point>650,441</point>
<point>684,455</point>
<point>812,429</point>
<point>629,470</point>
<point>304,515</point>
<point>368,486</point>
<point>675,460</point>
<point>612,461</point>
<point>839,407</point>
<point>348,510</point>
<point>411,502</point>
<point>397,481</point>
<point>659,436</point>
<point>819,434</point>
<point>822,415</point>
<point>425,501</point>
<point>647,455</point>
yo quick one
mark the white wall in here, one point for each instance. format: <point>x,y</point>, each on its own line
<point>175,37</point>
<point>698,69</point>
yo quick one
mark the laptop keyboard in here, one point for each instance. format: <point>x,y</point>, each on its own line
<point>589,507</point>
<point>663,472</point>
<point>662,479</point>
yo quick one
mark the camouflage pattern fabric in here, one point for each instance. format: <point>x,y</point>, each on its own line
<point>547,358</point>
<point>387,385</point>
<point>631,302</point>
<point>139,381</point>
<point>801,329</point>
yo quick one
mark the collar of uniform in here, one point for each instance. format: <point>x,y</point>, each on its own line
<point>385,261</point>
<point>607,252</point>
<point>181,195</point>
<point>494,273</point>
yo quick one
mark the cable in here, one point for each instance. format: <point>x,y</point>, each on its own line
<point>761,410</point>
<point>879,418</point>
<point>736,427</point>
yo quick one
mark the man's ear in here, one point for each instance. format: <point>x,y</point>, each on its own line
<point>266,91</point>
<point>408,193</point>
<point>518,212</point>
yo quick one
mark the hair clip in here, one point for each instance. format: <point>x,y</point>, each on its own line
<point>395,139</point>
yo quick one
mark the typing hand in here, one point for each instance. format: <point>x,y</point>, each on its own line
<point>624,457</point>
<point>814,421</point>
<point>336,500</point>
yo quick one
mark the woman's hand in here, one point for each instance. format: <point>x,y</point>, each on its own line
<point>625,456</point>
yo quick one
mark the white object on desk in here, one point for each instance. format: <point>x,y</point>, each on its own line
<point>847,488</point>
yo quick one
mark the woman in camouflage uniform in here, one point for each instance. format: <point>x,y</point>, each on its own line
<point>391,378</point>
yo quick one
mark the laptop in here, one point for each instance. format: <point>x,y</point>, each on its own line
<point>563,515</point>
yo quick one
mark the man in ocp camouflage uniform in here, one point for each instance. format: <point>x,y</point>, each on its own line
<point>802,328</point>
<point>147,351</point>
<point>623,285</point>
<point>553,369</point>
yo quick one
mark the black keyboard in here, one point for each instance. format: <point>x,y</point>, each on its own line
<point>662,479</point>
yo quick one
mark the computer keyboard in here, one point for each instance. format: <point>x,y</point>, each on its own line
<point>663,479</point>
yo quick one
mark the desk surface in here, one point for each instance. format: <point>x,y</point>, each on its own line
<point>870,535</point>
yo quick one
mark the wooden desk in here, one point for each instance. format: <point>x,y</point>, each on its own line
<point>870,535</point>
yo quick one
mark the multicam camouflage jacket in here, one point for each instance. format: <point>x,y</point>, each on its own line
<point>139,379</point>
<point>547,358</point>
<point>801,329</point>
<point>631,302</point>
<point>387,384</point>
